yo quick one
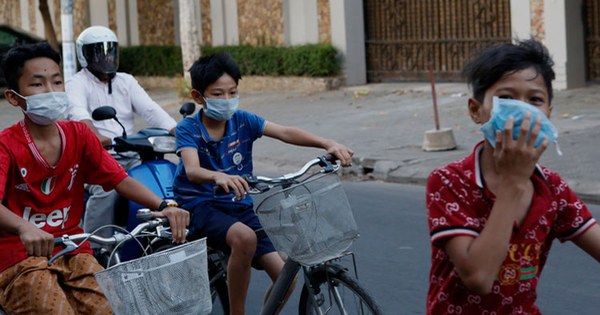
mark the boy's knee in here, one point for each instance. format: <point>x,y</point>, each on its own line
<point>242,239</point>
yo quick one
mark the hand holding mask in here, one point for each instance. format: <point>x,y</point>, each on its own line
<point>506,108</point>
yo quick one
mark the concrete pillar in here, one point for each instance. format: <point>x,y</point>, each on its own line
<point>520,19</point>
<point>122,31</point>
<point>224,19</point>
<point>197,21</point>
<point>25,15</point>
<point>39,22</point>
<point>300,22</point>
<point>99,12</point>
<point>133,28</point>
<point>217,15</point>
<point>176,22</point>
<point>232,34</point>
<point>565,41</point>
<point>348,36</point>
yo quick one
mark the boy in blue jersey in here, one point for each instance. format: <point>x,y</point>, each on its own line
<point>215,146</point>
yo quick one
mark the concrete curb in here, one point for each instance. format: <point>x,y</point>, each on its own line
<point>400,172</point>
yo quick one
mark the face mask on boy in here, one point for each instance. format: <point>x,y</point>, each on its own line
<point>221,109</point>
<point>505,108</point>
<point>45,109</point>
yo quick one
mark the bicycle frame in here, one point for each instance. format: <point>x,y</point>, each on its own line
<point>290,269</point>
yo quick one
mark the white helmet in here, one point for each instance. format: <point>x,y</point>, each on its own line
<point>98,49</point>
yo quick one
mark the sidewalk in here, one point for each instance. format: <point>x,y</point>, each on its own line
<point>385,124</point>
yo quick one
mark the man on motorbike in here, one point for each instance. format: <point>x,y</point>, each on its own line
<point>99,84</point>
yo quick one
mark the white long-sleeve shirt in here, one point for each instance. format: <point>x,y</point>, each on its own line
<point>86,93</point>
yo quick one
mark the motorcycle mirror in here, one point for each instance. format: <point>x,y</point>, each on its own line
<point>104,113</point>
<point>107,112</point>
<point>187,109</point>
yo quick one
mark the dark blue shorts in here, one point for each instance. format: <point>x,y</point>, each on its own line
<point>212,219</point>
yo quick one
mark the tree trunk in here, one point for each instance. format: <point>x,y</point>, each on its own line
<point>189,15</point>
<point>48,26</point>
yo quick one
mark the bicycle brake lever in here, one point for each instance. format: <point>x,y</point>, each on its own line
<point>165,232</point>
<point>326,164</point>
<point>70,247</point>
<point>255,184</point>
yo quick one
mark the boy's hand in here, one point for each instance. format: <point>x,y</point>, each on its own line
<point>36,241</point>
<point>340,151</point>
<point>179,219</point>
<point>232,182</point>
<point>105,140</point>
<point>516,159</point>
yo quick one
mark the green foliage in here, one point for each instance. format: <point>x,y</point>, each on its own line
<point>314,60</point>
<point>151,60</point>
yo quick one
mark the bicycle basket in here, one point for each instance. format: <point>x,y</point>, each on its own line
<point>311,222</point>
<point>174,281</point>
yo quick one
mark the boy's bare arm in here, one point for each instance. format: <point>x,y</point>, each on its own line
<point>590,242</point>
<point>36,241</point>
<point>478,260</point>
<point>304,138</point>
<point>200,175</point>
<point>104,140</point>
<point>137,192</point>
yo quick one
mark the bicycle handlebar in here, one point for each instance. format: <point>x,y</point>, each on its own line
<point>323,161</point>
<point>255,181</point>
<point>69,240</point>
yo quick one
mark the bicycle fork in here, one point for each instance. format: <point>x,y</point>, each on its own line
<point>315,291</point>
<point>281,287</point>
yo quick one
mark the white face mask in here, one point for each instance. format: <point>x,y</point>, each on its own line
<point>45,109</point>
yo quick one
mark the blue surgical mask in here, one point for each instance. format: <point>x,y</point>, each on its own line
<point>506,108</point>
<point>45,109</point>
<point>221,109</point>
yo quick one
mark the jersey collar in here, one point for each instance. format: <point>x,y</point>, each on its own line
<point>477,176</point>
<point>34,150</point>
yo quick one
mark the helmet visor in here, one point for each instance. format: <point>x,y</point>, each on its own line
<point>102,57</point>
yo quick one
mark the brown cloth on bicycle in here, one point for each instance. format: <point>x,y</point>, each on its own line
<point>66,287</point>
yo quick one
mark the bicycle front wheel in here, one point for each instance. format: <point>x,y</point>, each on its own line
<point>339,293</point>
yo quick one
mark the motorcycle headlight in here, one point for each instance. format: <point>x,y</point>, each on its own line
<point>163,144</point>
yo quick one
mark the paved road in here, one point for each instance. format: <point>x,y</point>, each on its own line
<point>393,256</point>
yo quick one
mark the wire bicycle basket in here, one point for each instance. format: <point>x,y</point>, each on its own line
<point>174,281</point>
<point>310,221</point>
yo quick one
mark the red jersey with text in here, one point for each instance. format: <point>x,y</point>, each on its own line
<point>50,197</point>
<point>458,203</point>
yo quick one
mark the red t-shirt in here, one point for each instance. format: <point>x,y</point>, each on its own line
<point>458,203</point>
<point>50,197</point>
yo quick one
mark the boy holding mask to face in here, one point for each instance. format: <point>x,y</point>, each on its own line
<point>494,214</point>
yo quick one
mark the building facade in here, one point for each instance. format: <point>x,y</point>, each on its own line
<point>379,39</point>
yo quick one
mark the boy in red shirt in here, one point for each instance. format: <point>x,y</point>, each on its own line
<point>494,214</point>
<point>44,164</point>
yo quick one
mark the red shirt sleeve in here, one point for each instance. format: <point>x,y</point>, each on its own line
<point>99,167</point>
<point>449,210</point>
<point>574,218</point>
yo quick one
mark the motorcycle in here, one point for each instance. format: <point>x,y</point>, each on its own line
<point>155,172</point>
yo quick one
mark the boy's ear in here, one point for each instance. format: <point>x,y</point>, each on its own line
<point>13,99</point>
<point>197,97</point>
<point>474,110</point>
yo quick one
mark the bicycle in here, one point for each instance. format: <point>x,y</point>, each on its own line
<point>315,235</point>
<point>172,281</point>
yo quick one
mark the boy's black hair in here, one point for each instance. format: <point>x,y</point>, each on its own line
<point>15,58</point>
<point>207,70</point>
<point>493,63</point>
